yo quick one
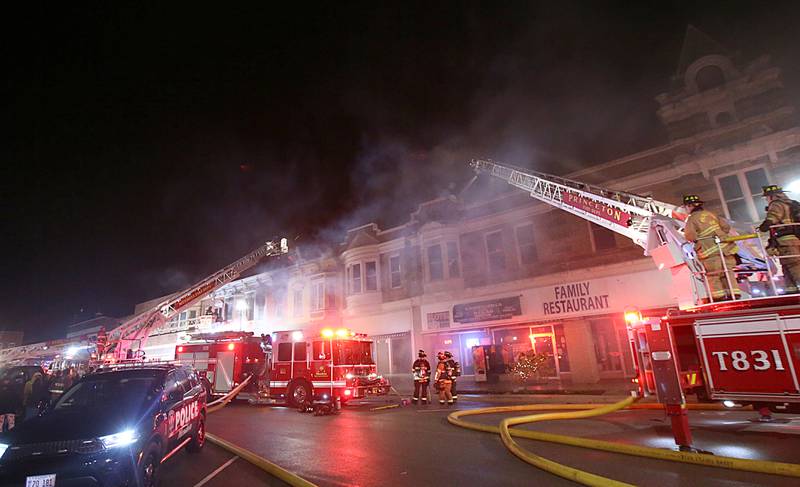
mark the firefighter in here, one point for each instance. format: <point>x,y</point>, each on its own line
<point>422,375</point>
<point>444,380</point>
<point>702,228</point>
<point>455,367</point>
<point>785,241</point>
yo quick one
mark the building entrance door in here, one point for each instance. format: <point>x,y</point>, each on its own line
<point>543,342</point>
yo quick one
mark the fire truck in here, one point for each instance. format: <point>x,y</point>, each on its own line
<point>742,352</point>
<point>126,342</point>
<point>294,367</point>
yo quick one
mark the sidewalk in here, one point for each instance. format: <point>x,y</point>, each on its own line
<point>612,387</point>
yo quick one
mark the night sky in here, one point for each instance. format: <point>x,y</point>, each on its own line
<point>147,146</point>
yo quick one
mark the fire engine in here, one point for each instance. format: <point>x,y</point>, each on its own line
<point>294,367</point>
<point>744,352</point>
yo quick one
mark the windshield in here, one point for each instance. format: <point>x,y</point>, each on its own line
<point>352,353</point>
<point>109,392</point>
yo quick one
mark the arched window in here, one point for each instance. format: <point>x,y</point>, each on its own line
<point>709,77</point>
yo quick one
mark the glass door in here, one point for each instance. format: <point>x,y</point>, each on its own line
<point>543,342</point>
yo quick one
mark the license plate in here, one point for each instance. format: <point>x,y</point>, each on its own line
<point>41,481</point>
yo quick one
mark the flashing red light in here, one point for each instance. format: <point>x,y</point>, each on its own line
<point>347,392</point>
<point>180,349</point>
<point>231,346</point>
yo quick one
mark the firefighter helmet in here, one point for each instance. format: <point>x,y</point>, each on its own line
<point>691,199</point>
<point>421,353</point>
<point>771,190</point>
<point>447,354</point>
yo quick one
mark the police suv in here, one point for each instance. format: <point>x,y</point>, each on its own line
<point>111,428</point>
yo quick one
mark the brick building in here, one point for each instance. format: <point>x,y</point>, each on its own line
<point>497,269</point>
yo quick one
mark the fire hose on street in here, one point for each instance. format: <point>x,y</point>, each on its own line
<point>273,469</point>
<point>582,411</point>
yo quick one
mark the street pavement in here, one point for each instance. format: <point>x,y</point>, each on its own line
<point>214,467</point>
<point>416,445</point>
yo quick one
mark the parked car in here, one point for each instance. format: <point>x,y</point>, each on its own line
<point>113,427</point>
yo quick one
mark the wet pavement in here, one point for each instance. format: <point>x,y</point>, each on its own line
<point>214,467</point>
<point>416,446</point>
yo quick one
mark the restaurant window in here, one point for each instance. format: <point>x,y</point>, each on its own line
<point>435,264</point>
<point>602,238</point>
<point>453,268</point>
<point>740,193</point>
<point>371,276</point>
<point>495,252</point>
<point>395,273</point>
<point>606,346</point>
<point>526,245</point>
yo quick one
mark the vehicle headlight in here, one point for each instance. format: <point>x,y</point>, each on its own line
<point>3,448</point>
<point>124,438</point>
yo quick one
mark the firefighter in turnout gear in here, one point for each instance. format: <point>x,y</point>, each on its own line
<point>422,376</point>
<point>784,240</point>
<point>455,367</point>
<point>703,228</point>
<point>444,379</point>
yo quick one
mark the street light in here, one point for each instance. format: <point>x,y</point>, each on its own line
<point>793,187</point>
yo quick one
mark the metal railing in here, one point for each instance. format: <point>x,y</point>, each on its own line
<point>732,284</point>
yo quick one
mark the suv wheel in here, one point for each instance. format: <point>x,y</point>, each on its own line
<point>149,475</point>
<point>299,393</point>
<point>199,438</point>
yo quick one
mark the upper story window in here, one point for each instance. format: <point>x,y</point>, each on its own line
<point>371,276</point>
<point>495,252</point>
<point>298,302</point>
<point>602,238</point>
<point>362,276</point>
<point>435,263</point>
<point>453,267</point>
<point>395,272</point>
<point>318,295</point>
<point>740,193</point>
<point>526,245</point>
<point>355,279</point>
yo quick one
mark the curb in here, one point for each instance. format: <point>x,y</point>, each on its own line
<point>261,462</point>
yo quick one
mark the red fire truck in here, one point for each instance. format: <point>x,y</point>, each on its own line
<point>291,367</point>
<point>741,352</point>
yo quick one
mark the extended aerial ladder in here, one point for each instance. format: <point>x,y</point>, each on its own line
<point>136,330</point>
<point>651,224</point>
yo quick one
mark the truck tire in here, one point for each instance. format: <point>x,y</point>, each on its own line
<point>300,392</point>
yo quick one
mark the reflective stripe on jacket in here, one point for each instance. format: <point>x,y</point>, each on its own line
<point>701,228</point>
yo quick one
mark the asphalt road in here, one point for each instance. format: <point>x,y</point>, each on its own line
<point>416,446</point>
<point>213,467</point>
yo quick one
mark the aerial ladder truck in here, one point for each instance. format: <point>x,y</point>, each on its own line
<point>741,352</point>
<point>127,340</point>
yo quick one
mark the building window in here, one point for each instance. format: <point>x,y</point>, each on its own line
<point>318,295</point>
<point>606,347</point>
<point>435,264</point>
<point>709,77</point>
<point>371,276</point>
<point>298,302</point>
<point>355,279</point>
<point>526,245</point>
<point>395,273</point>
<point>453,268</point>
<point>602,238</point>
<point>741,194</point>
<point>495,252</point>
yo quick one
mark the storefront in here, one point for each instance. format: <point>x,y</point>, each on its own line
<point>578,326</point>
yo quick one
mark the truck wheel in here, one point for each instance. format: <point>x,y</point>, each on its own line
<point>299,393</point>
<point>199,438</point>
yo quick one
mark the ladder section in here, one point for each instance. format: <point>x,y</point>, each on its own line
<point>139,327</point>
<point>624,213</point>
